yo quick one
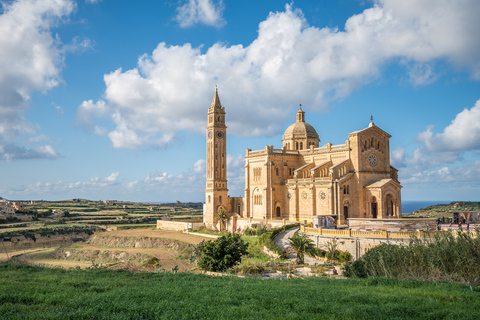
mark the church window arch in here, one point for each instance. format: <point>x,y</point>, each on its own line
<point>257,197</point>
<point>209,199</point>
<point>277,171</point>
<point>220,199</point>
<point>301,145</point>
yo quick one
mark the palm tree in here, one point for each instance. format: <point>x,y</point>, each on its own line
<point>301,245</point>
<point>223,217</point>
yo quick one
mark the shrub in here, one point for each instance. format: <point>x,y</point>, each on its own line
<point>355,270</point>
<point>344,256</point>
<point>223,253</point>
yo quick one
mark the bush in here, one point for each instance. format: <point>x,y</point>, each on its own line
<point>344,256</point>
<point>355,270</point>
<point>223,253</point>
<point>443,257</point>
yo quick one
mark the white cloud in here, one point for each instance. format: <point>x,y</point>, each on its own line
<point>397,157</point>
<point>11,152</point>
<point>289,62</point>
<point>207,12</point>
<point>200,166</point>
<point>462,134</point>
<point>465,175</point>
<point>443,157</point>
<point>31,59</point>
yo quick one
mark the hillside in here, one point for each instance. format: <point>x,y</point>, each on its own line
<point>444,210</point>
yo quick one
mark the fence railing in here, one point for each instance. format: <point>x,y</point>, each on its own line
<point>363,234</point>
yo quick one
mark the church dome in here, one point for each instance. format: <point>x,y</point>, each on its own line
<point>300,130</point>
<point>300,135</point>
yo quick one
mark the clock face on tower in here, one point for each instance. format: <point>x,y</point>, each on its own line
<point>219,134</point>
<point>372,160</point>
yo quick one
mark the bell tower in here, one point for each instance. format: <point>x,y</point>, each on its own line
<point>216,192</point>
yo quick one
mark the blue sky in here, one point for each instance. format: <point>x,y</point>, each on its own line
<point>108,99</point>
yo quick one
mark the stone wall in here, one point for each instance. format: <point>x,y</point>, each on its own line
<point>179,225</point>
<point>22,243</point>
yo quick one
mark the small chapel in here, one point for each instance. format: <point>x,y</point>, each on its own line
<point>303,181</point>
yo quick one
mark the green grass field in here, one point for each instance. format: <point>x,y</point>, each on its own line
<point>39,293</point>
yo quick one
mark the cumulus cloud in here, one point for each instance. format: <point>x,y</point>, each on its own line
<point>31,59</point>
<point>444,157</point>
<point>207,12</point>
<point>288,62</point>
<point>466,175</point>
<point>463,133</point>
<point>11,152</point>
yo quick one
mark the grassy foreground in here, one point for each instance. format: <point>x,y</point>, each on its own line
<point>39,293</point>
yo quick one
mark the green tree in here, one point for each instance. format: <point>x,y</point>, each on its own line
<point>223,253</point>
<point>302,245</point>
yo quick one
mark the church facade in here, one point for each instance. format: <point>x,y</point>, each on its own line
<point>303,181</point>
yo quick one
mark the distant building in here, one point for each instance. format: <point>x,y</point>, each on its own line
<point>18,206</point>
<point>6,208</point>
<point>110,202</point>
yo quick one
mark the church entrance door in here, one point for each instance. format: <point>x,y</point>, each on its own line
<point>374,210</point>
<point>278,212</point>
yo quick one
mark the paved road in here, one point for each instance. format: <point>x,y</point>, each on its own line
<point>282,241</point>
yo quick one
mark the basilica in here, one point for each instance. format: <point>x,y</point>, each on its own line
<point>304,181</point>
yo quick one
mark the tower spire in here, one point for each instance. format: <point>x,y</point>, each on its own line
<point>216,100</point>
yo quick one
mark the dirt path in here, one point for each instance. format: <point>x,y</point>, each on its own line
<point>3,256</point>
<point>282,241</point>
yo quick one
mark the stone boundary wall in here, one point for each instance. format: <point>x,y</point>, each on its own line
<point>178,225</point>
<point>22,243</point>
<point>356,246</point>
<point>244,223</point>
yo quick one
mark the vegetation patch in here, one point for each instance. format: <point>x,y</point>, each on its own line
<point>445,257</point>
<point>32,292</point>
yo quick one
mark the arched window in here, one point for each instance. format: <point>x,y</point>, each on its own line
<point>277,171</point>
<point>209,199</point>
<point>257,197</point>
<point>301,145</point>
<point>220,199</point>
<point>296,145</point>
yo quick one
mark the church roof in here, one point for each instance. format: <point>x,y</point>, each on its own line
<point>370,126</point>
<point>380,183</point>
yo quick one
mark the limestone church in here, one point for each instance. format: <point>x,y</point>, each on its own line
<point>303,181</point>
